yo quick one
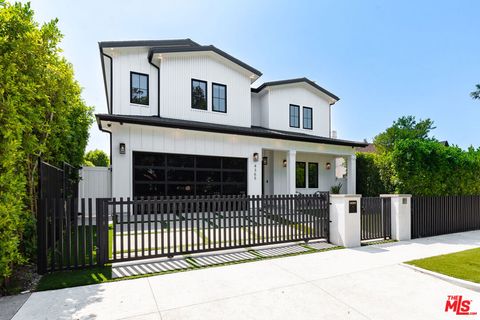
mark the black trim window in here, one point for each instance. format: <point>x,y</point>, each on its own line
<point>219,97</point>
<point>294,116</point>
<point>138,88</point>
<point>199,94</point>
<point>300,179</point>
<point>307,118</point>
<point>312,175</point>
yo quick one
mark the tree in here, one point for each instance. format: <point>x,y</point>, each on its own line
<point>42,115</point>
<point>476,93</point>
<point>98,158</point>
<point>404,128</point>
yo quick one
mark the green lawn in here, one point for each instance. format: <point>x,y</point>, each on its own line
<point>463,265</point>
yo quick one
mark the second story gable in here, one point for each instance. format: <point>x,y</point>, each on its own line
<point>177,79</point>
<point>296,105</point>
<point>180,79</point>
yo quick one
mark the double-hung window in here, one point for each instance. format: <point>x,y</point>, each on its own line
<point>219,97</point>
<point>199,94</point>
<point>294,116</point>
<point>307,118</point>
<point>138,88</point>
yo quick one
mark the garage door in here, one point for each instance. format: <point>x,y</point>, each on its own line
<point>160,174</point>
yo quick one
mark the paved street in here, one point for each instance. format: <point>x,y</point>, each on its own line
<point>361,283</point>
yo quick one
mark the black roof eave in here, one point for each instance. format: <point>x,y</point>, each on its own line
<point>172,49</point>
<point>148,43</point>
<point>244,131</point>
<point>296,80</point>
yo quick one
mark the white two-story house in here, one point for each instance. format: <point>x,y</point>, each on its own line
<point>184,119</point>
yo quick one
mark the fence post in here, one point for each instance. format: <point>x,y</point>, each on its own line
<point>401,213</point>
<point>345,219</point>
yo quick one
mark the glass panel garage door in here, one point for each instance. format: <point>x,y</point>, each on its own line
<point>160,174</point>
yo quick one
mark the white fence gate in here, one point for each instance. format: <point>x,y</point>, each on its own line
<point>95,182</point>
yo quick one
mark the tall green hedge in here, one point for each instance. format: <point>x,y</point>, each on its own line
<point>369,182</point>
<point>41,115</point>
<point>429,168</point>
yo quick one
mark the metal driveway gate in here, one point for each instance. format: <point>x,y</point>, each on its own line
<point>169,226</point>
<point>375,218</point>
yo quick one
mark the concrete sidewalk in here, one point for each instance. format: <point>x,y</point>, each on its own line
<point>360,283</point>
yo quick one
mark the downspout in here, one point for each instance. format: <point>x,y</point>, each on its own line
<point>158,83</point>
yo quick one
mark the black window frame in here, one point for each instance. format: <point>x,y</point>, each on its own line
<point>311,117</point>
<point>206,94</point>
<point>213,96</point>
<point>315,186</point>
<point>294,106</point>
<point>148,87</point>
<point>304,185</point>
<point>164,183</point>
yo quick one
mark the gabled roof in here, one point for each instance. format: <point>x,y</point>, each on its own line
<point>198,48</point>
<point>220,128</point>
<point>296,80</point>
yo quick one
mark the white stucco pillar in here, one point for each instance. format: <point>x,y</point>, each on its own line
<point>291,170</point>
<point>401,215</point>
<point>345,220</point>
<point>351,174</point>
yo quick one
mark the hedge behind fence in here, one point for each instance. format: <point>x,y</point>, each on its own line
<point>429,168</point>
<point>369,182</point>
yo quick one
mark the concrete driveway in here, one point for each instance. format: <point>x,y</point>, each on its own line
<point>362,283</point>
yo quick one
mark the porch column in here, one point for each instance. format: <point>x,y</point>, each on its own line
<point>291,165</point>
<point>352,174</point>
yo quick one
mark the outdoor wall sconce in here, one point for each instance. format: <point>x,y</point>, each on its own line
<point>255,156</point>
<point>284,163</point>
<point>264,161</point>
<point>328,166</point>
<point>122,148</point>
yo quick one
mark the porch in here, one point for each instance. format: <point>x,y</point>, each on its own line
<point>297,172</point>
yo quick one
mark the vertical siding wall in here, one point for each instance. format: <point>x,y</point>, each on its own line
<point>124,61</point>
<point>175,89</point>
<point>158,139</point>
<point>278,102</point>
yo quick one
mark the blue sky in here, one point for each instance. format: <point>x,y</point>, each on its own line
<point>384,59</point>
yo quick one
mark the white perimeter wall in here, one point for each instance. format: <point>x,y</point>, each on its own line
<point>157,139</point>
<point>95,182</point>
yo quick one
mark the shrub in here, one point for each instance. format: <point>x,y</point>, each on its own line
<point>98,158</point>
<point>369,182</point>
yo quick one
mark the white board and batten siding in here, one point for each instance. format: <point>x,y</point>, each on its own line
<point>176,74</point>
<point>95,182</point>
<point>168,140</point>
<point>126,60</point>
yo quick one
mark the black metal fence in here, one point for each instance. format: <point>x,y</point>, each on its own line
<point>444,214</point>
<point>168,226</point>
<point>57,241</point>
<point>375,218</point>
<point>67,235</point>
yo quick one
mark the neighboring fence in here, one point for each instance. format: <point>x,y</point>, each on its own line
<point>375,218</point>
<point>55,182</point>
<point>168,226</point>
<point>95,182</point>
<point>446,214</point>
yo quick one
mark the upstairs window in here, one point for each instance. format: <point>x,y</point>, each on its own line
<point>138,88</point>
<point>219,97</point>
<point>307,118</point>
<point>294,116</point>
<point>199,94</point>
